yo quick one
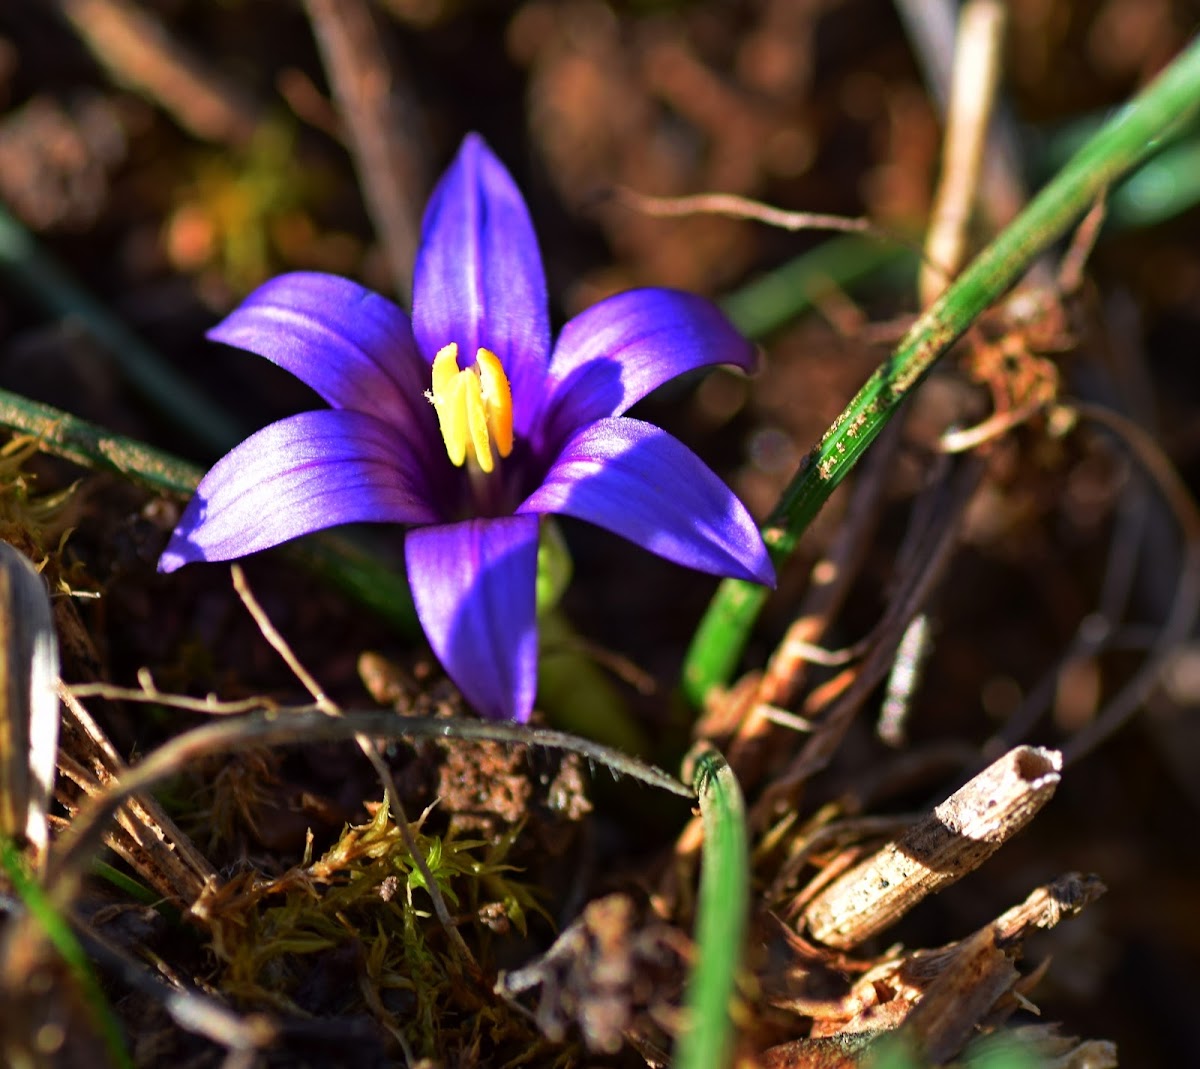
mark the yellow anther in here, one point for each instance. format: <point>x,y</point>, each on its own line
<point>446,396</point>
<point>497,399</point>
<point>474,406</point>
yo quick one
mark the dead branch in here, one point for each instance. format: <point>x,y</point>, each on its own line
<point>956,838</point>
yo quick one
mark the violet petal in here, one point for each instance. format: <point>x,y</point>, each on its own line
<point>473,584</point>
<point>302,474</point>
<point>617,351</point>
<point>478,279</point>
<point>635,480</point>
<point>354,347</point>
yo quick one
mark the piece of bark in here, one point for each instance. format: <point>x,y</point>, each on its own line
<point>1048,905</point>
<point>957,837</point>
<point>954,1004</point>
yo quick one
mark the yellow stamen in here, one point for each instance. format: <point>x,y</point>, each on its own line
<point>497,399</point>
<point>474,406</point>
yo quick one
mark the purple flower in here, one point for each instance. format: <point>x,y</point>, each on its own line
<point>465,426</point>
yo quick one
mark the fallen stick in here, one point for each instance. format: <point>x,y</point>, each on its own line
<point>957,837</point>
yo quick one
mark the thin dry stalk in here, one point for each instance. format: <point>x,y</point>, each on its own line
<point>956,838</point>
<point>735,207</point>
<point>972,93</point>
<point>1185,606</point>
<point>139,51</point>
<point>1083,241</point>
<point>922,561</point>
<point>147,691</point>
<point>145,836</point>
<point>381,118</point>
<point>931,28</point>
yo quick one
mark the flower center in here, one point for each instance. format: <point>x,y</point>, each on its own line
<point>474,406</point>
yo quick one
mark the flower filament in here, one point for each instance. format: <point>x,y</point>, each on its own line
<point>473,405</point>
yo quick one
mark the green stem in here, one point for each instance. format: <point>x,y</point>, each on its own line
<point>722,909</point>
<point>93,447</point>
<point>1128,139</point>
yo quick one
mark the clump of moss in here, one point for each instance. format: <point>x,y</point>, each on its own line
<point>354,932</point>
<point>34,522</point>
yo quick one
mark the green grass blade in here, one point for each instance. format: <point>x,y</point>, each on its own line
<point>126,884</point>
<point>721,916</point>
<point>1130,137</point>
<point>1166,186</point>
<point>60,936</point>
<point>772,300</point>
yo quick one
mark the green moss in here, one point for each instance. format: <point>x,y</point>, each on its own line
<point>366,896</point>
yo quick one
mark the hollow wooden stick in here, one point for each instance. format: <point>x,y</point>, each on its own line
<point>957,837</point>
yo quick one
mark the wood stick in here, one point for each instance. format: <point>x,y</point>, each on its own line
<point>957,837</point>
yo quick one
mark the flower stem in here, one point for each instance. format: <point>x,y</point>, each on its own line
<point>1130,137</point>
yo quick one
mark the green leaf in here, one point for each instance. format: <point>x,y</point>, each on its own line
<point>722,910</point>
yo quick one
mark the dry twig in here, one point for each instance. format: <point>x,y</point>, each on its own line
<point>956,838</point>
<point>973,89</point>
<point>139,51</point>
<point>381,121</point>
